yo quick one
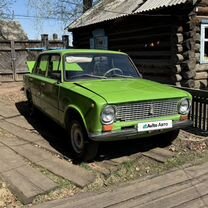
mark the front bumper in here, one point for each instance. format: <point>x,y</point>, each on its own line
<point>133,133</point>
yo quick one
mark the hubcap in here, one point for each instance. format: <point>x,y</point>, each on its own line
<point>77,139</point>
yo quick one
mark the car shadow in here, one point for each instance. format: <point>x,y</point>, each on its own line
<point>48,129</point>
<point>57,138</point>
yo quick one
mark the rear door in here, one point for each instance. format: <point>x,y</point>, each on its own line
<point>50,87</point>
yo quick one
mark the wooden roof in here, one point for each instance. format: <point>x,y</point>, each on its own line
<point>107,10</point>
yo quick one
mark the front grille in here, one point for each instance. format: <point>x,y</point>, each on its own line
<point>146,110</point>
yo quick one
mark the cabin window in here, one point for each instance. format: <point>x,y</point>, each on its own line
<point>204,44</point>
<point>99,40</point>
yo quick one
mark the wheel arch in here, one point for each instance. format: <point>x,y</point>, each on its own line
<point>74,112</point>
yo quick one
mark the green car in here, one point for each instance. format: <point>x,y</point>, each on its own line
<point>99,95</point>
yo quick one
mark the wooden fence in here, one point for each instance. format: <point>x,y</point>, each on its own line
<point>199,110</point>
<point>14,54</point>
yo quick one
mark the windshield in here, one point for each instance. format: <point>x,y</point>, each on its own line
<point>99,66</point>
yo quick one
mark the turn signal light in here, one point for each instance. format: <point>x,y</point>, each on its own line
<point>184,117</point>
<point>107,128</point>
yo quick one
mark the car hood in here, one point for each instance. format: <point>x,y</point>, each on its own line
<point>130,90</point>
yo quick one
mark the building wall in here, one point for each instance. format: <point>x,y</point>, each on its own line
<point>165,48</point>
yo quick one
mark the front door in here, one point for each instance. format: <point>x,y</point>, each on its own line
<point>37,78</point>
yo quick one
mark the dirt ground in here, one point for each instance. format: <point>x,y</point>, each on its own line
<point>191,146</point>
<point>12,92</point>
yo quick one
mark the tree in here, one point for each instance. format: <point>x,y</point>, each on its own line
<point>5,12</point>
<point>64,10</point>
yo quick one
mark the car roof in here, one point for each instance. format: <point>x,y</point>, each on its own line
<point>82,51</point>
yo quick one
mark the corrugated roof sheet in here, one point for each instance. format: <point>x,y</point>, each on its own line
<point>107,10</point>
<point>157,4</point>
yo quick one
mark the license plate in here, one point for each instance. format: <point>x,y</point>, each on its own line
<point>156,125</point>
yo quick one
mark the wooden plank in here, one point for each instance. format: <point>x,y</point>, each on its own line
<point>21,122</point>
<point>178,198</point>
<point>136,37</point>
<point>200,115</point>
<point>203,3</point>
<point>200,84</point>
<point>196,114</point>
<point>192,111</point>
<point>140,29</point>
<point>159,154</point>
<point>26,183</point>
<point>201,75</point>
<point>125,46</point>
<point>23,180</point>
<point>77,175</point>
<point>201,67</point>
<point>149,53</point>
<point>202,10</point>
<point>151,61</point>
<point>155,70</point>
<point>205,120</point>
<point>201,202</point>
<point>13,58</point>
<point>207,117</point>
<point>168,190</point>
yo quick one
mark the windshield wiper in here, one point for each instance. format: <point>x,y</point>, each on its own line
<point>88,75</point>
<point>121,75</point>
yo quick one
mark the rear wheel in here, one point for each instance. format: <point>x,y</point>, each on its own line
<point>82,147</point>
<point>31,106</point>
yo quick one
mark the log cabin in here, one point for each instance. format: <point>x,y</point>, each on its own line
<point>167,39</point>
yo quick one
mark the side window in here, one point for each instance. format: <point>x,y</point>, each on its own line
<point>54,71</point>
<point>42,65</point>
<point>204,44</point>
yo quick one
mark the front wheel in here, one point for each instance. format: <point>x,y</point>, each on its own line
<point>82,148</point>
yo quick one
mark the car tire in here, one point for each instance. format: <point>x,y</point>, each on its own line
<point>31,107</point>
<point>82,148</point>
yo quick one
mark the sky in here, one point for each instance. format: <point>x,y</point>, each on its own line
<point>30,26</point>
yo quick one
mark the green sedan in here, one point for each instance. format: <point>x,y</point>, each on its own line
<point>98,95</point>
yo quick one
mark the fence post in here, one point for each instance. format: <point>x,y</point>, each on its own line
<point>13,59</point>
<point>65,40</point>
<point>44,41</point>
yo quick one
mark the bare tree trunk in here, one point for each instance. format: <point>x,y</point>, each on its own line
<point>87,4</point>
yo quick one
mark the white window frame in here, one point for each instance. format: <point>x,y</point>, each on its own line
<point>203,40</point>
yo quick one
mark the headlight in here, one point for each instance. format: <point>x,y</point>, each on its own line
<point>108,115</point>
<point>184,106</point>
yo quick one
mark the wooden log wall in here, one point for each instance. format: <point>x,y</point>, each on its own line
<point>183,46</point>
<point>164,48</point>
<point>148,44</point>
